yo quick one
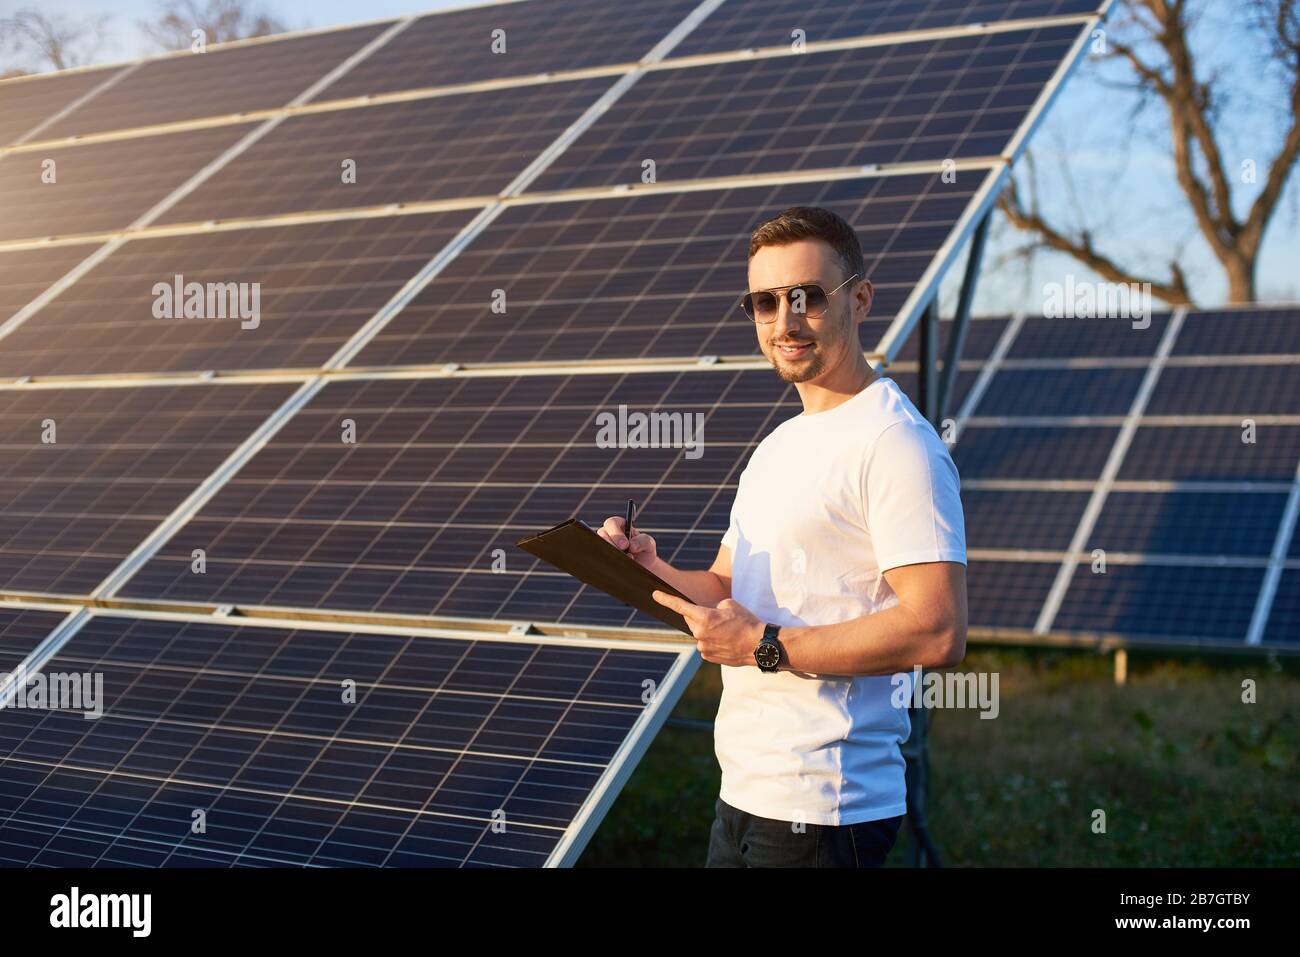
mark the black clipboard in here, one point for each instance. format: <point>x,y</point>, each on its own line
<point>574,548</point>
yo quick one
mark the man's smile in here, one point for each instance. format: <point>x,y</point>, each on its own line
<point>793,350</point>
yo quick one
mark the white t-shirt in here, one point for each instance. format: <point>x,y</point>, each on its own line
<point>827,503</point>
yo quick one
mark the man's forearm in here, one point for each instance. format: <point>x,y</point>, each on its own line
<point>884,643</point>
<point>702,587</point>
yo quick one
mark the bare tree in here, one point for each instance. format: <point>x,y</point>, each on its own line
<point>1163,68</point>
<point>40,41</point>
<point>220,21</point>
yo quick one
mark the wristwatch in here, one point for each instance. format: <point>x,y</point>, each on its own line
<point>769,653</point>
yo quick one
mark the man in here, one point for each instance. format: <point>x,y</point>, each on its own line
<point>844,565</point>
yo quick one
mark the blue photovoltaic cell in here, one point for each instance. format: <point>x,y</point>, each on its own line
<point>1065,338</point>
<point>1284,621</point>
<point>1227,390</point>
<point>26,102</point>
<point>930,100</point>
<point>496,40</point>
<point>218,82</point>
<point>87,474</point>
<point>1007,594</point>
<point>100,187</point>
<point>1036,452</point>
<point>251,726</point>
<point>1270,331</point>
<point>21,630</point>
<point>1026,392</point>
<point>1189,523</point>
<point>26,273</point>
<point>765,23</point>
<point>446,147</point>
<point>1179,602</point>
<point>1021,518</point>
<point>446,475</point>
<point>1209,452</point>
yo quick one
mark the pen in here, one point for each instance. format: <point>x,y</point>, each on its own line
<point>627,525</point>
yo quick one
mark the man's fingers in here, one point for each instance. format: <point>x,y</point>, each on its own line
<point>612,532</point>
<point>680,605</point>
<point>641,542</point>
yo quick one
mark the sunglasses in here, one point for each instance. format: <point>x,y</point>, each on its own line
<point>808,299</point>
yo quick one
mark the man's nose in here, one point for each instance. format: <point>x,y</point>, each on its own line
<point>788,320</point>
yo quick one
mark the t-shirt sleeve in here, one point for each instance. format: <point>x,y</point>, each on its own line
<point>730,537</point>
<point>913,499</point>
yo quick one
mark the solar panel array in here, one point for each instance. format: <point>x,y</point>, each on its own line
<point>315,328</point>
<point>1146,472</point>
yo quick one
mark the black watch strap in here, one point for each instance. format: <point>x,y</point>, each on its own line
<point>769,653</point>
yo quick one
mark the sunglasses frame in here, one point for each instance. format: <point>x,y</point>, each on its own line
<point>783,292</point>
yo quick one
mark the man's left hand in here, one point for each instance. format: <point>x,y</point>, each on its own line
<point>726,634</point>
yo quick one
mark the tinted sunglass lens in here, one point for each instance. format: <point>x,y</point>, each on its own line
<point>764,306</point>
<point>814,300</point>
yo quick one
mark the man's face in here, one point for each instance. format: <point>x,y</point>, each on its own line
<point>801,348</point>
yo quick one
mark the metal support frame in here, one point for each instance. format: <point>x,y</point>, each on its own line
<point>935,392</point>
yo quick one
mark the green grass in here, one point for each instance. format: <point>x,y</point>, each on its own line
<point>1186,774</point>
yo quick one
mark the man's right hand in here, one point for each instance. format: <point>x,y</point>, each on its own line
<point>641,547</point>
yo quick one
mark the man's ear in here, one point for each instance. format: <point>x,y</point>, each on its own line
<point>864,290</point>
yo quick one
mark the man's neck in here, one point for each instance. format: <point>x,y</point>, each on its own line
<point>836,386</point>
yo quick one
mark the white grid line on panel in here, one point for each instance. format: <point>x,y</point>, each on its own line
<point>1065,575</point>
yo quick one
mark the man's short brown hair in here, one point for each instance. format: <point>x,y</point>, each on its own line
<point>811,222</point>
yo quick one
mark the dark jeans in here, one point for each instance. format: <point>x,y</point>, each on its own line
<point>747,840</point>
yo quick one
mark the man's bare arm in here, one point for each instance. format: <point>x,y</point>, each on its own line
<point>927,627</point>
<point>707,587</point>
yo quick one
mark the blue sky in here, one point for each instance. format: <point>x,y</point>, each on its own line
<point>1097,164</point>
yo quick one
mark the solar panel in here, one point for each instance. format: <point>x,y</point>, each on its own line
<point>1021,518</point>
<point>102,186</point>
<point>1209,452</point>
<point>448,753</point>
<point>1231,332</point>
<point>766,23</point>
<point>444,473</point>
<point>1162,601</point>
<point>1006,594</point>
<point>29,101</point>
<point>1196,503</point>
<point>1032,452</point>
<point>1043,337</point>
<point>446,147</point>
<point>26,273</point>
<point>929,101</point>
<point>1251,390</point>
<point>1064,392</point>
<point>650,275</point>
<point>21,630</point>
<point>1189,523</point>
<point>312,286</point>
<point>86,474</point>
<point>221,81</point>
<point>541,36</point>
<point>1284,622</point>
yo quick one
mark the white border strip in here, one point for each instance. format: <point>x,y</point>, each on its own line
<point>1276,562</point>
<point>1065,574</point>
<point>624,762</point>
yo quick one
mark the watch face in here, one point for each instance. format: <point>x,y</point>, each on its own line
<point>767,655</point>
